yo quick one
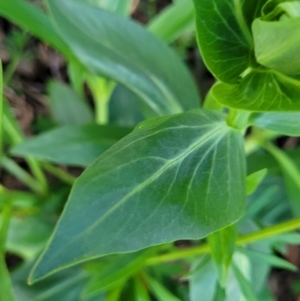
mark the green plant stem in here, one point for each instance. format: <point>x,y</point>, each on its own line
<point>59,173</point>
<point>34,165</point>
<point>14,169</point>
<point>102,90</point>
<point>6,291</point>
<point>10,69</point>
<point>5,218</point>
<point>38,173</point>
<point>238,119</point>
<point>242,240</point>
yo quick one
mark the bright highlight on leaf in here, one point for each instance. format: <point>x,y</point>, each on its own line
<point>176,177</point>
<point>137,59</point>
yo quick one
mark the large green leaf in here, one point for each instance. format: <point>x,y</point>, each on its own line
<point>224,35</point>
<point>176,177</point>
<point>261,90</point>
<point>284,123</point>
<point>71,145</point>
<point>112,46</point>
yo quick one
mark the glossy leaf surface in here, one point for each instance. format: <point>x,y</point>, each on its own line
<point>224,35</point>
<point>283,123</point>
<point>263,90</point>
<point>112,46</point>
<point>226,42</point>
<point>72,145</point>
<point>164,176</point>
<point>277,44</point>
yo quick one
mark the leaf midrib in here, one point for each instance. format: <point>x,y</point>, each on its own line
<point>148,181</point>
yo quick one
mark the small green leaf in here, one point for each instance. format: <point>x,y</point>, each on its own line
<point>277,44</point>
<point>177,177</point>
<point>261,90</point>
<point>72,145</point>
<point>287,123</point>
<point>66,107</point>
<point>122,50</point>
<point>255,179</point>
<point>222,246</point>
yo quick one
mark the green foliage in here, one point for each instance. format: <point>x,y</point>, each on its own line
<point>137,60</point>
<point>171,190</point>
<point>153,167</point>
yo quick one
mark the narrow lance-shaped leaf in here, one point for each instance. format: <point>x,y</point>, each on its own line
<point>112,46</point>
<point>203,281</point>
<point>287,123</point>
<point>254,179</point>
<point>182,15</point>
<point>29,17</point>
<point>72,145</point>
<point>175,177</point>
